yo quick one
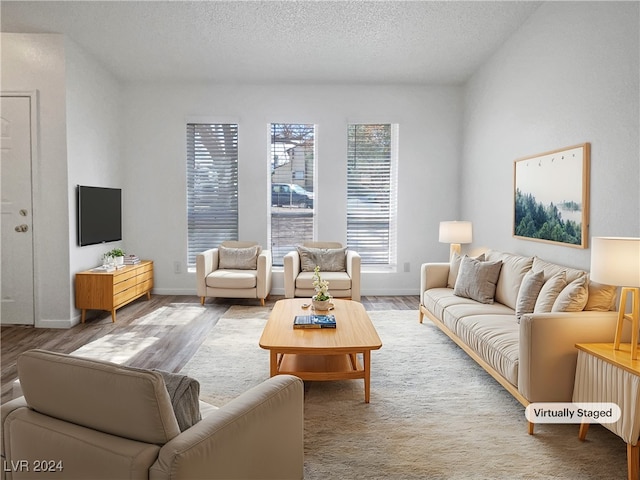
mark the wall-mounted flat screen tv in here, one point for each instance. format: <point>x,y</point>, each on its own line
<point>99,215</point>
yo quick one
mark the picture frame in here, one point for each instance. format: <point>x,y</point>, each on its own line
<point>551,196</point>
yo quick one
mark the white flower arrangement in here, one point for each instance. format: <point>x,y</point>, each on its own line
<point>321,286</point>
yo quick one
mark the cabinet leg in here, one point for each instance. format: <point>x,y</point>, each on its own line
<point>113,316</point>
<point>83,315</point>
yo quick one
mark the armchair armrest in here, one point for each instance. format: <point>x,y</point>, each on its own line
<point>264,274</point>
<point>206,262</point>
<point>547,350</point>
<point>257,435</point>
<point>291,272</point>
<point>353,267</point>
<point>433,275</point>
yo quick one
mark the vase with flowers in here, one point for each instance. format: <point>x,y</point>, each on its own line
<point>322,299</point>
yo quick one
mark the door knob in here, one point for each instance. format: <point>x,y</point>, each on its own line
<point>22,228</point>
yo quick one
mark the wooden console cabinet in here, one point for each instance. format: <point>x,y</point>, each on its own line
<point>100,290</point>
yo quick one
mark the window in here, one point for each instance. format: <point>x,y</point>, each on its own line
<point>371,192</point>
<point>212,186</point>
<point>292,182</point>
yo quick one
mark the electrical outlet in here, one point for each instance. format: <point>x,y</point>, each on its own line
<point>177,267</point>
<point>407,266</point>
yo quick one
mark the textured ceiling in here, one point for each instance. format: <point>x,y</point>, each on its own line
<point>379,42</point>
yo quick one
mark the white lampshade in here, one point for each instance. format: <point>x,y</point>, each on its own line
<point>456,232</point>
<point>616,261</point>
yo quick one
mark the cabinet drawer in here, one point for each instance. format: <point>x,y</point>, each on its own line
<point>144,276</point>
<point>124,285</point>
<point>124,296</point>
<point>123,276</point>
<point>144,287</point>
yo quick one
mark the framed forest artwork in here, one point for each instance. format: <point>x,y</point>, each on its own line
<point>551,197</point>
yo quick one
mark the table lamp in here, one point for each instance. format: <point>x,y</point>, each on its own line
<point>455,233</point>
<point>616,261</point>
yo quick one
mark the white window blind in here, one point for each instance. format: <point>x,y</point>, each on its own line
<point>292,160</point>
<point>212,186</point>
<point>371,192</point>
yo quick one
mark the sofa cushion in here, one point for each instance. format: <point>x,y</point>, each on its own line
<point>454,313</point>
<point>184,393</point>
<point>477,280</point>
<point>454,268</point>
<point>573,297</point>
<point>328,259</point>
<point>514,268</point>
<point>549,292</point>
<point>495,338</point>
<point>601,297</point>
<point>528,293</point>
<point>337,280</point>
<point>103,396</point>
<point>238,258</point>
<point>232,279</point>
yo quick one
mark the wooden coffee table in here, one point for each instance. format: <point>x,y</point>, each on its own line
<point>321,353</point>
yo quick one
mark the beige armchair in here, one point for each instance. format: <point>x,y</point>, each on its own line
<point>98,420</point>
<point>234,270</point>
<point>342,284</point>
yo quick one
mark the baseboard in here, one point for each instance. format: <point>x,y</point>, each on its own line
<point>57,323</point>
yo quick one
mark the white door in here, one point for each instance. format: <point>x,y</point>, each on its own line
<point>17,305</point>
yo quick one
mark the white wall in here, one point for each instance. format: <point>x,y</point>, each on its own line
<point>93,145</point>
<point>155,164</point>
<point>36,63</point>
<point>568,76</point>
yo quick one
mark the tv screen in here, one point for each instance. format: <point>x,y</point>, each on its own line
<point>99,215</point>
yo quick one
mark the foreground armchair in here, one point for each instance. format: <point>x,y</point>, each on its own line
<point>234,270</point>
<point>339,266</point>
<point>100,420</point>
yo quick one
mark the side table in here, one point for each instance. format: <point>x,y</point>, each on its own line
<point>607,375</point>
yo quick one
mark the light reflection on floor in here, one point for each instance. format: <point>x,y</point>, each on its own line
<point>174,314</point>
<point>116,348</point>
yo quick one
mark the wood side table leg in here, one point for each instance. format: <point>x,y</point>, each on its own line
<point>367,374</point>
<point>584,428</point>
<point>633,461</point>
<point>113,316</point>
<point>83,316</point>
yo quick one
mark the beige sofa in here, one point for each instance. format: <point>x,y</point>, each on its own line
<point>534,356</point>
<point>97,420</point>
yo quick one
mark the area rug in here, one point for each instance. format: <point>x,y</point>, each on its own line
<point>434,414</point>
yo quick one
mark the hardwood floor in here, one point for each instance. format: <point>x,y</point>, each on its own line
<point>176,342</point>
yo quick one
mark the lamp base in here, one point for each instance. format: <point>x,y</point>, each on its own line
<point>633,317</point>
<point>454,248</point>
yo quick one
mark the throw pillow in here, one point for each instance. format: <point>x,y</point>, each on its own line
<point>238,258</point>
<point>601,297</point>
<point>184,393</point>
<point>549,292</point>
<point>528,293</point>
<point>328,259</point>
<point>454,268</point>
<point>573,297</point>
<point>477,280</point>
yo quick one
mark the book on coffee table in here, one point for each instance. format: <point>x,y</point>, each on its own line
<point>314,321</point>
